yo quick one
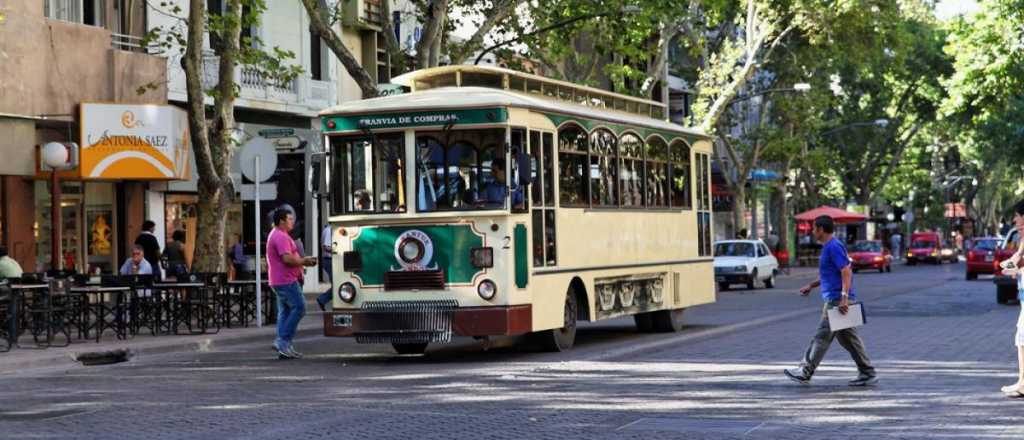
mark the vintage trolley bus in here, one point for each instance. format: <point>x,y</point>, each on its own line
<point>488,202</point>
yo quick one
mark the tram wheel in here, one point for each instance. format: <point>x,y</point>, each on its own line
<point>413,348</point>
<point>562,339</point>
<point>668,321</point>
<point>644,322</point>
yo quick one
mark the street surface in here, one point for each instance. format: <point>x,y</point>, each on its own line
<point>942,347</point>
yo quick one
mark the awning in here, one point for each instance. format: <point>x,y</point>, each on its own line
<point>763,175</point>
<point>838,215</point>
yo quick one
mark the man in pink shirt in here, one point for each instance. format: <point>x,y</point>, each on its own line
<point>284,270</point>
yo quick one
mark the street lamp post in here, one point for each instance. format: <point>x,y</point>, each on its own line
<point>55,155</point>
<point>629,9</point>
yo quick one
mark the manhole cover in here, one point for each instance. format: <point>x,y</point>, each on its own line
<point>719,426</point>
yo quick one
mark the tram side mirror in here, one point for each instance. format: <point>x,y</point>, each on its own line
<point>316,176</point>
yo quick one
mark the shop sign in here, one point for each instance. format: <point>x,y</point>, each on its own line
<point>415,119</point>
<point>275,133</point>
<point>121,141</point>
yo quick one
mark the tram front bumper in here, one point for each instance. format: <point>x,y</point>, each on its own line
<point>465,321</point>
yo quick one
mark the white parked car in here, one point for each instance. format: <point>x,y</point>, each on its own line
<point>744,262</point>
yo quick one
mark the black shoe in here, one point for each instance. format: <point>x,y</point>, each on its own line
<point>323,308</point>
<point>797,375</point>
<point>864,380</point>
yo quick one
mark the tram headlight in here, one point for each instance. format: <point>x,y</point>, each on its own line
<point>482,257</point>
<point>487,289</point>
<point>411,250</point>
<point>347,292</point>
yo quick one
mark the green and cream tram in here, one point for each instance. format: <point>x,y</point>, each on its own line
<point>490,202</point>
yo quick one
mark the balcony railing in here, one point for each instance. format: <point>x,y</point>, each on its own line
<point>128,43</point>
<point>307,95</point>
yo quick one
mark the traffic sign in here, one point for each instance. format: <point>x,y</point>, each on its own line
<point>264,148</point>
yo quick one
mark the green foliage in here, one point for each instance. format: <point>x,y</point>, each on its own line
<point>985,107</point>
<point>610,39</point>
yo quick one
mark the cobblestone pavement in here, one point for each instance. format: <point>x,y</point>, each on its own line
<point>941,345</point>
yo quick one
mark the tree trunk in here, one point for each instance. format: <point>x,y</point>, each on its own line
<point>210,247</point>
<point>215,187</point>
<point>739,210</point>
<point>433,28</point>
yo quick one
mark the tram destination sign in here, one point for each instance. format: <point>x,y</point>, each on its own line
<point>415,119</point>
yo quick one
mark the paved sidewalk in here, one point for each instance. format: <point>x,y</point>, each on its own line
<point>29,357</point>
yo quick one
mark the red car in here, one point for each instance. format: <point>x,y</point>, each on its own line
<point>924,246</point>
<point>870,254</point>
<point>981,257</point>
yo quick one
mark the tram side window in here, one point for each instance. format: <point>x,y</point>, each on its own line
<point>462,170</point>
<point>537,190</point>
<point>631,149</point>
<point>682,196</point>
<point>573,169</point>
<point>603,168</point>
<point>703,204</point>
<point>548,169</point>
<point>657,165</point>
<point>370,175</point>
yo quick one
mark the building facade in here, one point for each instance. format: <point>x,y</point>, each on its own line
<point>72,66</point>
<point>59,55</point>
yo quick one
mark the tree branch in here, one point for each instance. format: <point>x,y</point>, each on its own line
<point>501,10</point>
<point>319,26</point>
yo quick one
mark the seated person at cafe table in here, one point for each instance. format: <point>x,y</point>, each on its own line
<point>9,267</point>
<point>136,264</point>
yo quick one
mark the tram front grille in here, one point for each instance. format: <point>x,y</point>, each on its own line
<point>414,280</point>
<point>407,322</point>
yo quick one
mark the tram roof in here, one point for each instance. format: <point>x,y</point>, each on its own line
<point>456,97</point>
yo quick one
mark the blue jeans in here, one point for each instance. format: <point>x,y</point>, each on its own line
<point>325,298</point>
<point>291,307</point>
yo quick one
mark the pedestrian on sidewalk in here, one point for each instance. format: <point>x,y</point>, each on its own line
<point>284,268</point>
<point>896,244</point>
<point>835,276</point>
<point>1017,388</point>
<point>174,253</point>
<point>150,245</point>
<point>239,260</point>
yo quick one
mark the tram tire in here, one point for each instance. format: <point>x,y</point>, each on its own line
<point>562,339</point>
<point>668,321</point>
<point>412,348</point>
<point>644,322</point>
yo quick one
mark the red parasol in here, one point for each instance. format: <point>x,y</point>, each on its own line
<point>838,215</point>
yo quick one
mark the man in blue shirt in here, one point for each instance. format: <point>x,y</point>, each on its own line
<point>494,192</point>
<point>835,276</point>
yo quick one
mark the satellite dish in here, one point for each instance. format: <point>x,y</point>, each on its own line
<point>264,148</point>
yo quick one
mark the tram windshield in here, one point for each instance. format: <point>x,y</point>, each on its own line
<point>461,170</point>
